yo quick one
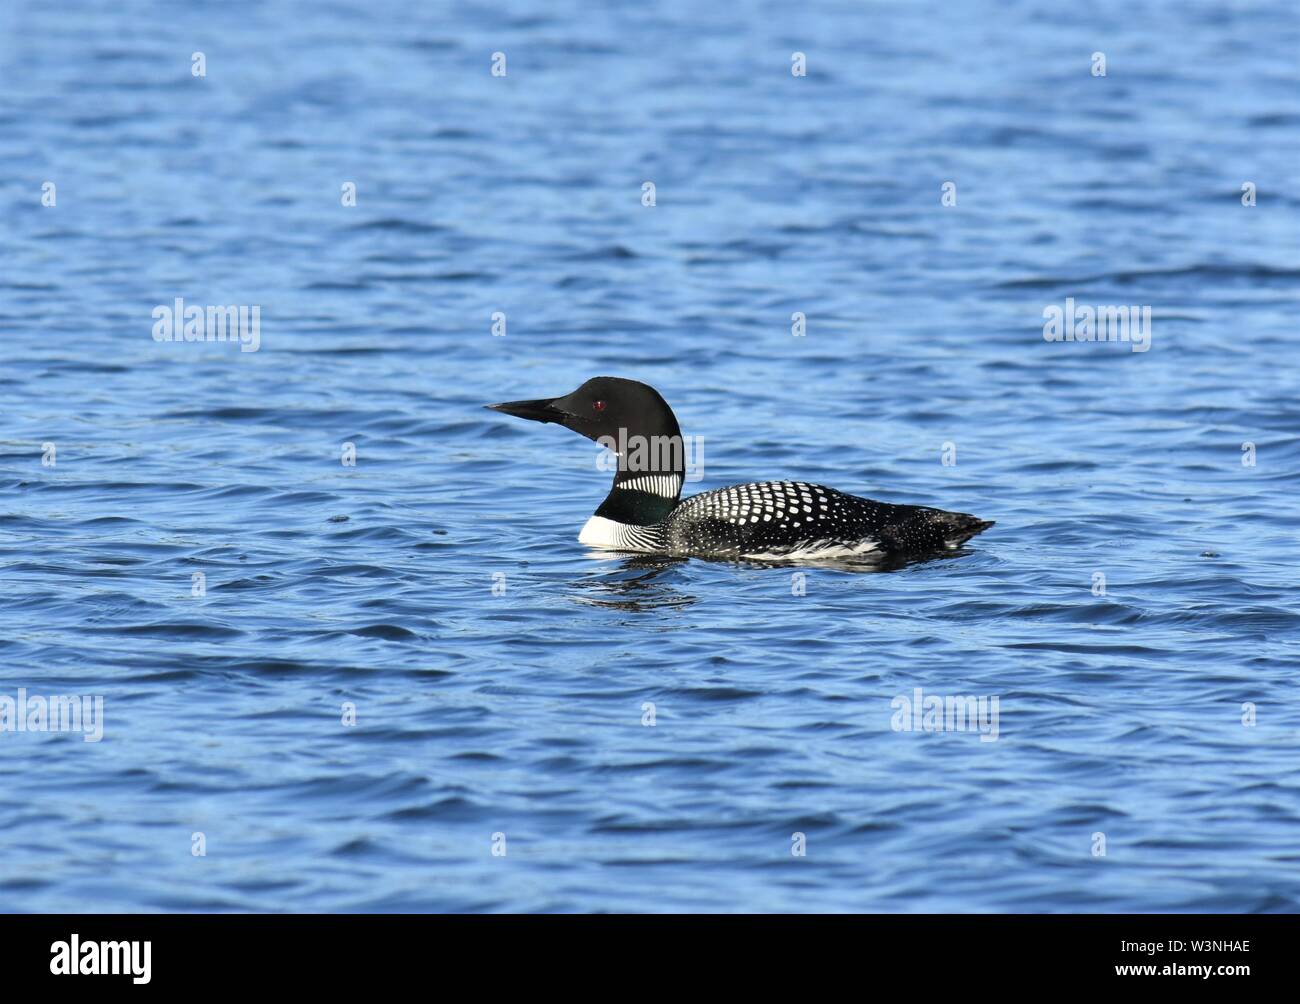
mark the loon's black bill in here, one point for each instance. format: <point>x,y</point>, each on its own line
<point>538,411</point>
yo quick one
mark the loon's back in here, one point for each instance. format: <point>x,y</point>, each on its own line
<point>789,519</point>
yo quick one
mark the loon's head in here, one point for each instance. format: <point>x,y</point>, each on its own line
<point>632,420</point>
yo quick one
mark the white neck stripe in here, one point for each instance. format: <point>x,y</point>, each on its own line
<point>666,485</point>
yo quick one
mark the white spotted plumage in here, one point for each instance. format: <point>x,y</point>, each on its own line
<point>776,520</point>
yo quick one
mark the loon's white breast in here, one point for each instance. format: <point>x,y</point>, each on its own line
<point>614,536</point>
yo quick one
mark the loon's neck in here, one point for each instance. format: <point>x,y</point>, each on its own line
<point>647,485</point>
<point>649,476</point>
<point>633,507</point>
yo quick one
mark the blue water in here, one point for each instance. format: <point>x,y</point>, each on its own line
<point>521,714</point>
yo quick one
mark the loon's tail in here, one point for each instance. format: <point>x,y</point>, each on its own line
<point>959,527</point>
<point>913,529</point>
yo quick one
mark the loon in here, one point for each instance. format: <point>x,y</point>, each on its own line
<point>766,520</point>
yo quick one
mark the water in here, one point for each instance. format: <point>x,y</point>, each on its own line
<point>521,714</point>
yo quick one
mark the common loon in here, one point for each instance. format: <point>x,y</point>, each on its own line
<point>770,520</point>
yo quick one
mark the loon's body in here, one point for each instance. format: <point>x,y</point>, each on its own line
<point>766,520</point>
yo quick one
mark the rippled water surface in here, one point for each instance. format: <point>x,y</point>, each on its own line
<point>480,713</point>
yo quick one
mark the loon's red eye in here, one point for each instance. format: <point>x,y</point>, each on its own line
<point>597,406</point>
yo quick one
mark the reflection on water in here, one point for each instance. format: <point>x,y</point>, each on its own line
<point>637,582</point>
<point>645,583</point>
